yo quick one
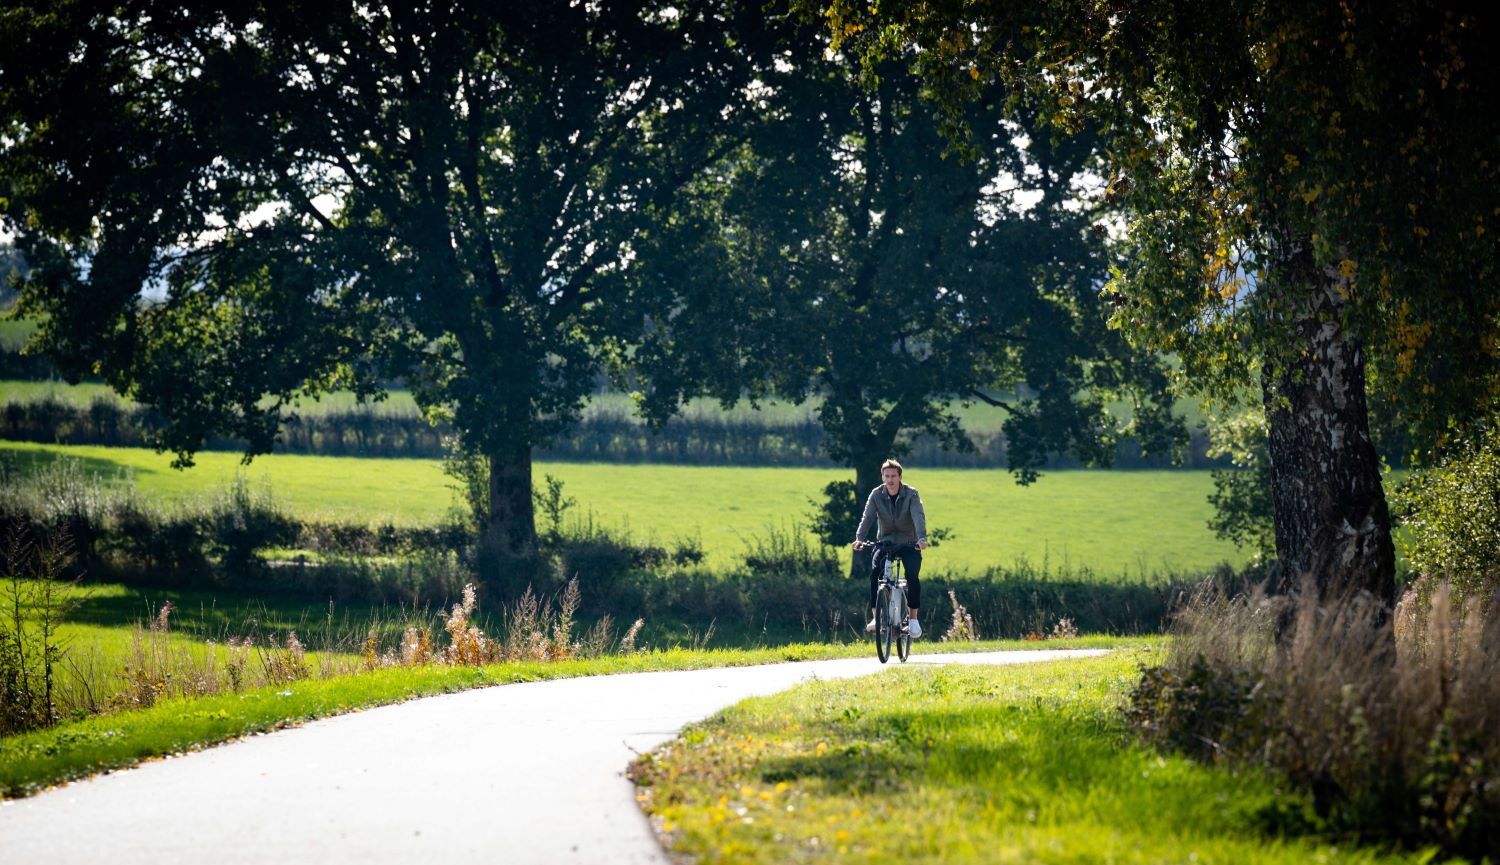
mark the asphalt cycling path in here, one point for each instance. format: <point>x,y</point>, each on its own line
<point>526,773</point>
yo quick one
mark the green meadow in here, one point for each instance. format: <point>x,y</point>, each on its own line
<point>14,332</point>
<point>1111,522</point>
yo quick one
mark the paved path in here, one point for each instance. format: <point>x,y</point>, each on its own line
<point>529,773</point>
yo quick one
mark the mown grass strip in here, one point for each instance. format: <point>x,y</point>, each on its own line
<point>963,765</point>
<point>33,761</point>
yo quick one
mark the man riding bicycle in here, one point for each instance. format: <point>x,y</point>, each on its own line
<point>895,510</point>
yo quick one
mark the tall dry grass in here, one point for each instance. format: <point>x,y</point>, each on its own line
<point>161,665</point>
<point>1391,719</point>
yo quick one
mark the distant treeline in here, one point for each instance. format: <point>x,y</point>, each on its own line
<point>600,437</point>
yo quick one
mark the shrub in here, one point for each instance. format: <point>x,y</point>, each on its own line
<point>168,542</point>
<point>1391,721</point>
<point>1242,492</point>
<point>834,516</point>
<point>1452,516</point>
<point>59,497</point>
<point>241,521</point>
<point>785,550</point>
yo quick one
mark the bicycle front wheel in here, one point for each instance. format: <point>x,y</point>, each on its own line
<point>883,625</point>
<point>903,636</point>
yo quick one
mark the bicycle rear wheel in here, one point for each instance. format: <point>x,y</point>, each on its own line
<point>883,626</point>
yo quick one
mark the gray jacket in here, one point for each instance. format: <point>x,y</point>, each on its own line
<point>905,523</point>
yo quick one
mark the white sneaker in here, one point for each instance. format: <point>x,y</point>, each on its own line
<point>870,628</point>
<point>914,628</point>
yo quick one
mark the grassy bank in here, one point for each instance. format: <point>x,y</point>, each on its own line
<point>33,761</point>
<point>1136,523</point>
<point>958,765</point>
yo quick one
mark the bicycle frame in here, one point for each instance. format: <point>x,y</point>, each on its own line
<point>892,614</point>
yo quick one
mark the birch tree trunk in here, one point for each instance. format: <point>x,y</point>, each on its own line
<point>1331,519</point>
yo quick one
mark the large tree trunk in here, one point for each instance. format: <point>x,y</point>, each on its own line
<point>512,520</point>
<point>866,478</point>
<point>867,475</point>
<point>1331,519</point>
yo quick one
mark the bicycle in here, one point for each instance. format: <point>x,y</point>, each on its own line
<point>892,615</point>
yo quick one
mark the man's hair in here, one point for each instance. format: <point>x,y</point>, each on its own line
<point>891,464</point>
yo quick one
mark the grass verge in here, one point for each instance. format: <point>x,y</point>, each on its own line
<point>34,761</point>
<point>958,765</point>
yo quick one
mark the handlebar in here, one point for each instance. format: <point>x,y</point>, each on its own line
<point>885,544</point>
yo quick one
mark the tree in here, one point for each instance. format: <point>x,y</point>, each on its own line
<point>233,206</point>
<point>858,262</point>
<point>1311,196</point>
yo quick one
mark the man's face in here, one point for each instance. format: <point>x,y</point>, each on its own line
<point>892,479</point>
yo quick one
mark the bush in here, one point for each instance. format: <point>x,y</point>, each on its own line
<point>1242,492</point>
<point>242,521</point>
<point>60,497</point>
<point>1452,516</point>
<point>1391,721</point>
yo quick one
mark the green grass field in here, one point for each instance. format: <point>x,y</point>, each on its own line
<point>962,765</point>
<point>1112,522</point>
<point>15,332</point>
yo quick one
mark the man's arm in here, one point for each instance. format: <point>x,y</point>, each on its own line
<point>918,518</point>
<point>867,521</point>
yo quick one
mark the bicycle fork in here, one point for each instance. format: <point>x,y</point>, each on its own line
<point>897,610</point>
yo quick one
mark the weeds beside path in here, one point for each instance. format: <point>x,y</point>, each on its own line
<point>33,761</point>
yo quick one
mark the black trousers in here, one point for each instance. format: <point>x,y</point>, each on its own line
<point>911,560</point>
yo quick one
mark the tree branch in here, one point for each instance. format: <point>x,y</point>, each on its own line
<point>985,398</point>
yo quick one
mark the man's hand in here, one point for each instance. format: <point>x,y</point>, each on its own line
<point>921,545</point>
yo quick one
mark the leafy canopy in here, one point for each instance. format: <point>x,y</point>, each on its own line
<point>1365,130</point>
<point>853,256</point>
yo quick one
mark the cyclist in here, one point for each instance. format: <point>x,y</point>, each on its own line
<point>895,510</point>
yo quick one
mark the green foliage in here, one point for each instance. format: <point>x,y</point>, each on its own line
<point>1452,515</point>
<point>834,518</point>
<point>242,521</point>
<point>553,505</point>
<point>1199,711</point>
<point>464,209</point>
<point>1242,495</point>
<point>852,258</point>
<point>1306,193</point>
<point>1235,136</point>
<point>470,475</point>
